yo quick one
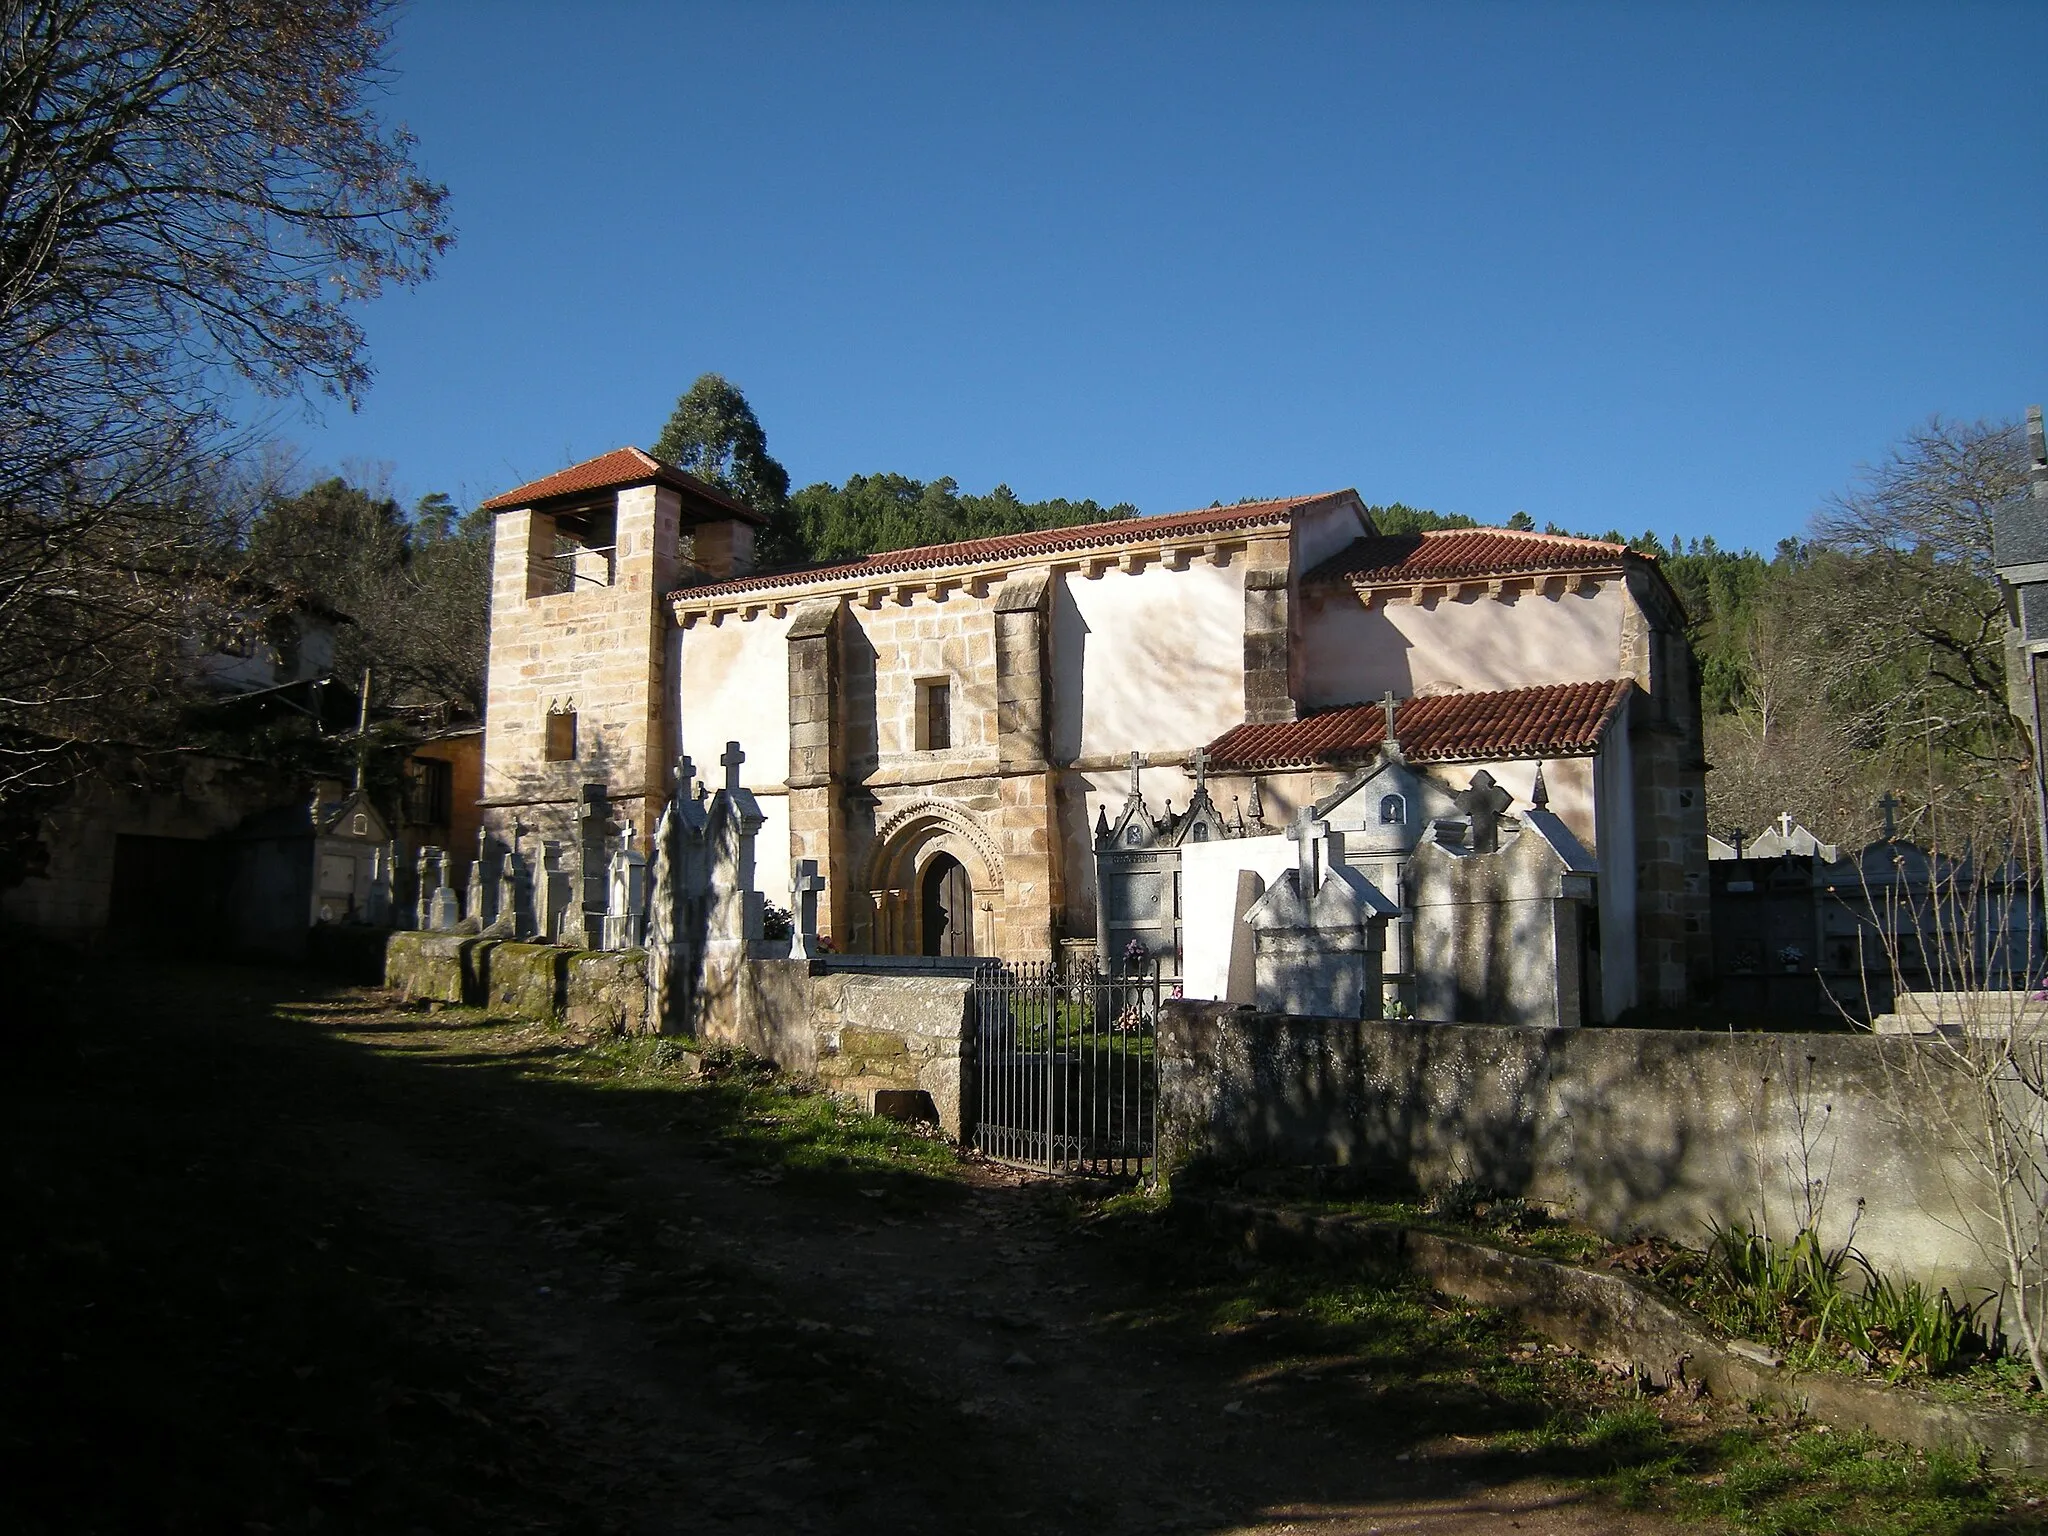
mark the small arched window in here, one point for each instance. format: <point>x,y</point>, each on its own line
<point>1393,811</point>
<point>1200,833</point>
<point>1134,835</point>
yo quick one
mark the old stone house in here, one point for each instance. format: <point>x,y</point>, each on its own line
<point>944,729</point>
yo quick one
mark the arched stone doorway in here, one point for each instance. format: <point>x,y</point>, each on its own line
<point>945,908</point>
<point>936,881</point>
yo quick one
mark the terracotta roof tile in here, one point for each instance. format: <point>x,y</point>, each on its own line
<point>1454,553</point>
<point>612,471</point>
<point>1024,546</point>
<point>1556,720</point>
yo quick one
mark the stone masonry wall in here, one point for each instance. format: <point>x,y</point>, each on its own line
<point>590,993</point>
<point>599,650</point>
<point>858,1030</point>
<point>1665,1131</point>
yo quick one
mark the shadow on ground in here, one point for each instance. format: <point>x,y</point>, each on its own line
<point>286,1258</point>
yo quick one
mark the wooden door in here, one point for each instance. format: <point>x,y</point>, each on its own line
<point>948,908</point>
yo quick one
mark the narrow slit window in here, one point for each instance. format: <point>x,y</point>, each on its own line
<point>935,714</point>
<point>561,747</point>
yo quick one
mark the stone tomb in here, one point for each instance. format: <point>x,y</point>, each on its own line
<point>1318,932</point>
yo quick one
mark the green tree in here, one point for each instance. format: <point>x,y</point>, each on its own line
<point>416,586</point>
<point>713,434</point>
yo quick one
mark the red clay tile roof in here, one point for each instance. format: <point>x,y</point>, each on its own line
<point>614,471</point>
<point>1457,553</point>
<point>1556,720</point>
<point>1025,546</point>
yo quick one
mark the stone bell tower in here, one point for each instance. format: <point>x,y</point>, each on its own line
<point>576,726</point>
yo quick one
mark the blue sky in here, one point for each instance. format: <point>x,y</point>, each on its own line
<point>1665,266</point>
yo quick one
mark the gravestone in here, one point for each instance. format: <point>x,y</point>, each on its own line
<point>732,820</point>
<point>625,895</point>
<point>805,885</point>
<point>516,893</point>
<point>445,911</point>
<point>379,909</point>
<point>1500,936</point>
<point>482,906</point>
<point>1318,931</point>
<point>677,904</point>
<point>426,875</point>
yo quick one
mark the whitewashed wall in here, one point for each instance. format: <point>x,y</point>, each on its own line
<point>1151,661</point>
<point>1320,532</point>
<point>1351,653</point>
<point>732,684</point>
<point>1208,905</point>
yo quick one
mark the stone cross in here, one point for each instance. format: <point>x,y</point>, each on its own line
<point>1388,704</point>
<point>1137,762</point>
<point>1312,834</point>
<point>686,772</point>
<point>1889,808</point>
<point>1485,802</point>
<point>805,884</point>
<point>1785,825</point>
<point>1199,761</point>
<point>1737,836</point>
<point>730,761</point>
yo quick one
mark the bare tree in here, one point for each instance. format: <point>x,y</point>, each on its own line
<point>1905,618</point>
<point>193,194</point>
<point>1978,1072</point>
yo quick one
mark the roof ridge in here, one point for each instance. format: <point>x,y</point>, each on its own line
<point>996,546</point>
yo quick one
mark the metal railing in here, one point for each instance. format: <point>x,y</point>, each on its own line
<point>1066,1069</point>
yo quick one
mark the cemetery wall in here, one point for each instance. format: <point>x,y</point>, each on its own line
<point>860,1027</point>
<point>588,992</point>
<point>1358,644</point>
<point>1664,1131</point>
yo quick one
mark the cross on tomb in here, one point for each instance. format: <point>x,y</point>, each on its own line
<point>1137,762</point>
<point>1388,704</point>
<point>686,771</point>
<point>1199,761</point>
<point>1312,835</point>
<point>1785,825</point>
<point>805,885</point>
<point>1888,807</point>
<point>626,837</point>
<point>1485,802</point>
<point>730,761</point>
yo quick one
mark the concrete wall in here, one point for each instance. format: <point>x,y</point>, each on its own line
<point>1665,1131</point>
<point>1352,652</point>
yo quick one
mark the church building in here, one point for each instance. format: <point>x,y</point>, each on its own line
<point>948,731</point>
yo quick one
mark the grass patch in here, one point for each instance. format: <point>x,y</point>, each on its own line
<point>760,1115</point>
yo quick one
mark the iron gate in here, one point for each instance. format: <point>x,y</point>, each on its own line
<point>1067,1067</point>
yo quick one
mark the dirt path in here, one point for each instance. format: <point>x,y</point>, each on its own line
<point>712,1347</point>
